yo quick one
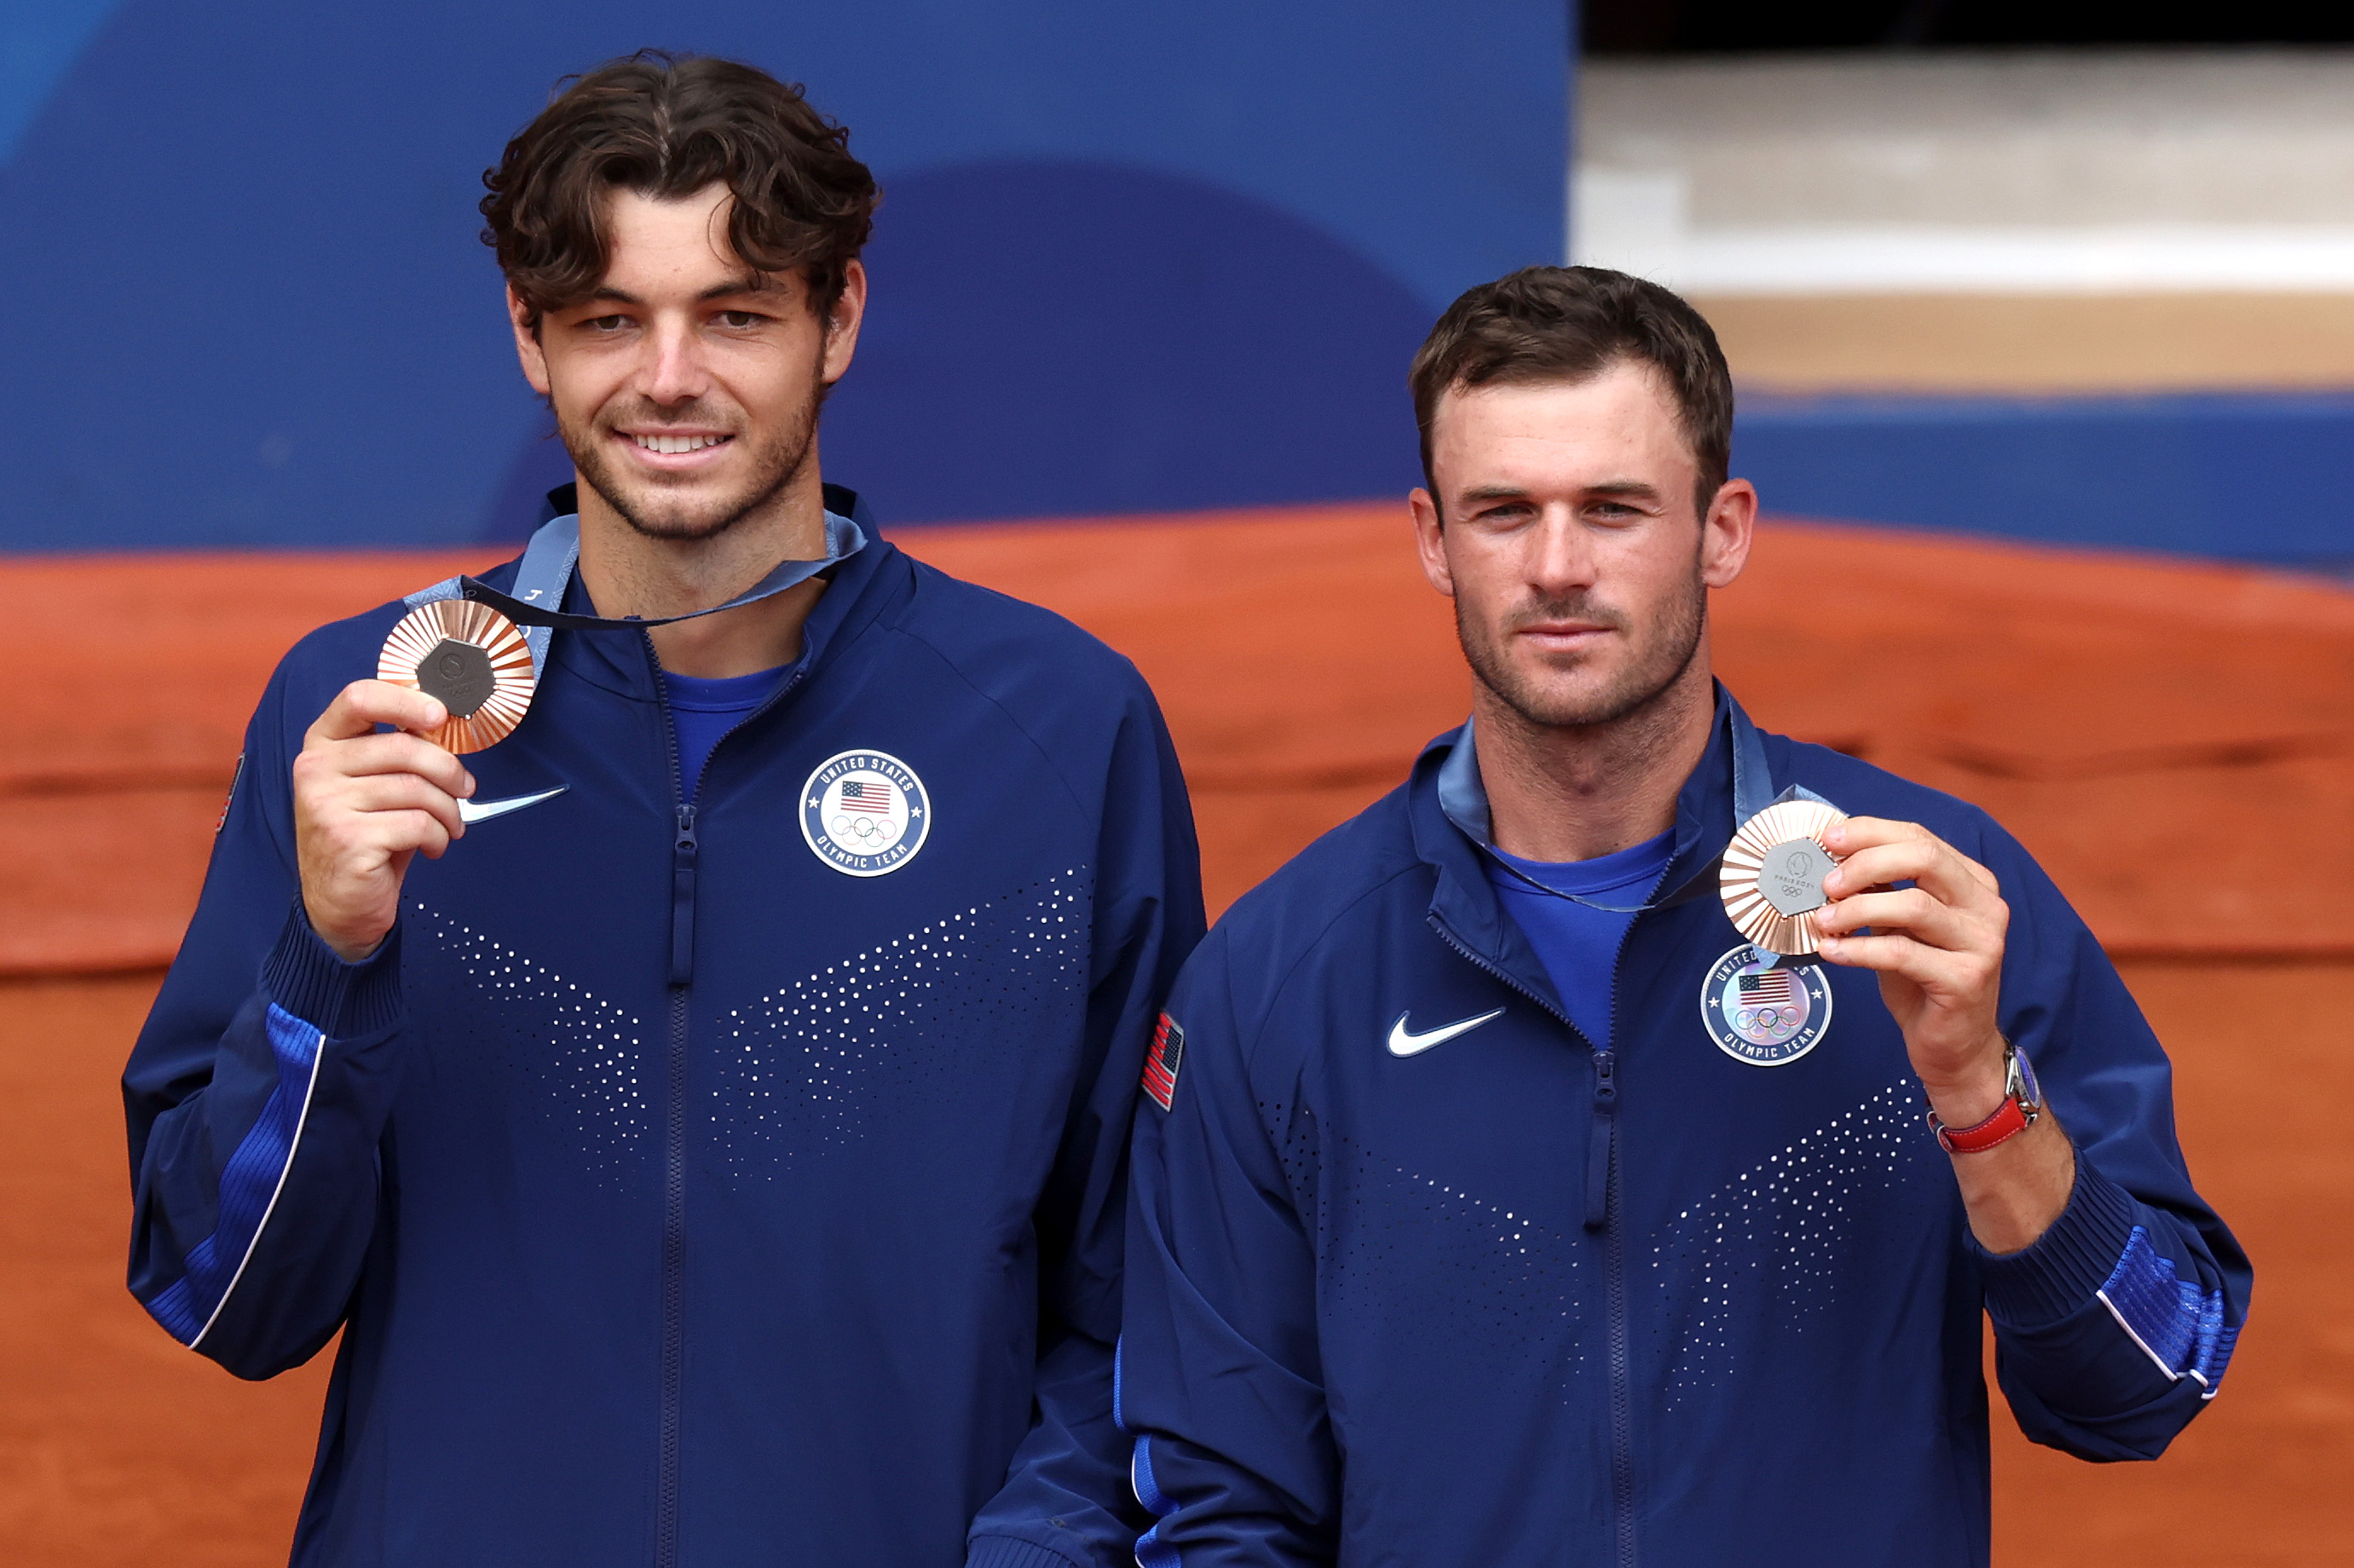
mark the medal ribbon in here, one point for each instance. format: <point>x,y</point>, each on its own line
<point>1752,781</point>
<point>554,552</point>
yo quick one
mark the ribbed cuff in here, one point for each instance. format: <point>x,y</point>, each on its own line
<point>1008,1552</point>
<point>2058,1274</point>
<point>306,978</point>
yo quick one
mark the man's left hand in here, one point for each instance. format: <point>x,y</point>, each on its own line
<point>1937,946</point>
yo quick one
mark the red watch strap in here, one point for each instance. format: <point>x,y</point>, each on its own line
<point>2008,1120</point>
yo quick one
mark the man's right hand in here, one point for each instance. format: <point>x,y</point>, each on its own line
<point>365,803</point>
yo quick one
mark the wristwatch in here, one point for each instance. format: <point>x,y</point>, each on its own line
<point>2022,1103</point>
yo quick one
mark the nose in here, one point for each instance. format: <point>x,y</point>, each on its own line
<point>1561,557</point>
<point>673,372</point>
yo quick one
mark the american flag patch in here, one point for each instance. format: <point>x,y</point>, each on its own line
<point>866,795</point>
<point>230,798</point>
<point>1161,1061</point>
<point>1771,989</point>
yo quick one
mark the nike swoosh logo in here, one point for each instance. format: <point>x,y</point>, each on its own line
<point>1405,1044</point>
<point>472,812</point>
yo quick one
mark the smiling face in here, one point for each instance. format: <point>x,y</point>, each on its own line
<point>1567,534</point>
<point>686,386</point>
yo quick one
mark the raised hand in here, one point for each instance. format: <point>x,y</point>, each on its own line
<point>1937,946</point>
<point>364,804</point>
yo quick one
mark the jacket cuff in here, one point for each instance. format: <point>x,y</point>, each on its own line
<point>1007,1551</point>
<point>2068,1262</point>
<point>303,976</point>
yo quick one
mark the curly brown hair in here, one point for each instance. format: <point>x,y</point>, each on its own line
<point>666,127</point>
<point>1571,323</point>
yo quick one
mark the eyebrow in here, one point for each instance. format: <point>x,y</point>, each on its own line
<point>750,283</point>
<point>1486,493</point>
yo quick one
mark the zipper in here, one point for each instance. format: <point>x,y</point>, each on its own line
<point>779,695</point>
<point>1495,972</point>
<point>685,851</point>
<point>1603,1175</point>
<point>685,848</point>
<point>1602,1143</point>
<point>1601,1212</point>
<point>674,1290</point>
<point>1622,1424</point>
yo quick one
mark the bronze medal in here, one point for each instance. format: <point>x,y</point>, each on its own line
<point>470,657</point>
<point>1772,879</point>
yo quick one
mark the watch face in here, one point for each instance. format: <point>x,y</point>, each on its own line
<point>2024,1071</point>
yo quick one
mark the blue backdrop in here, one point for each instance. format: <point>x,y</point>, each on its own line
<point>2243,476</point>
<point>1131,257</point>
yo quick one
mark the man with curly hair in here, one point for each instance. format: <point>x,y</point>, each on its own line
<point>702,1112</point>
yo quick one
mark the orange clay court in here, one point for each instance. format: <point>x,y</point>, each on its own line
<point>2174,741</point>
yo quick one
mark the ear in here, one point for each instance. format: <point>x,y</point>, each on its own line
<point>1727,532</point>
<point>841,326</point>
<point>528,344</point>
<point>1430,542</point>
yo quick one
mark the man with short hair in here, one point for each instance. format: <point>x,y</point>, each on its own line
<point>1501,1203</point>
<point>704,1112</point>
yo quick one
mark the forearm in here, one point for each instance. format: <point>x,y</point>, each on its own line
<point>2113,1329</point>
<point>1220,1378</point>
<point>2014,1190</point>
<point>255,1192</point>
<point>1066,1491</point>
<point>2115,1293</point>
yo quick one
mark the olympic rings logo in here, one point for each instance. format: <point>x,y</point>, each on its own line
<point>867,833</point>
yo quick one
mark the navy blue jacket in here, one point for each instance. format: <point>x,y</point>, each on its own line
<point>812,1257</point>
<point>1696,1300</point>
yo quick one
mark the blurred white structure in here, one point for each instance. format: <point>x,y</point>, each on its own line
<point>1995,172</point>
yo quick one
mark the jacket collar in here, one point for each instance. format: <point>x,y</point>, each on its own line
<point>564,501</point>
<point>866,574</point>
<point>1448,813</point>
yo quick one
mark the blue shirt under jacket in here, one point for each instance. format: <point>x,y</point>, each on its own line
<point>1704,1298</point>
<point>685,1195</point>
<point>1578,942</point>
<point>703,709</point>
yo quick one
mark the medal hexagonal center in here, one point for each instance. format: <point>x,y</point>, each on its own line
<point>459,674</point>
<point>1791,876</point>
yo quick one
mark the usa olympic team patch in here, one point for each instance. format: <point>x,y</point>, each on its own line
<point>864,812</point>
<point>1763,1013</point>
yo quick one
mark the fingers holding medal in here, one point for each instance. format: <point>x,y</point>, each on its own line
<point>1934,923</point>
<point>1900,881</point>
<point>471,659</point>
<point>365,800</point>
<point>1802,878</point>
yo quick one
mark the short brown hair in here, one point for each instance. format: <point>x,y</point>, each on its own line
<point>666,128</point>
<point>1570,323</point>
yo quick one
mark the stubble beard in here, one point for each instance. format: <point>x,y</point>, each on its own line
<point>775,465</point>
<point>1544,705</point>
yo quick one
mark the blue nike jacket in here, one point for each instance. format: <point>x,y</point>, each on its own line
<point>688,1188</point>
<point>1417,1276</point>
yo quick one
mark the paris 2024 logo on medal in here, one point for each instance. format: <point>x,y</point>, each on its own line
<point>1763,1013</point>
<point>864,812</point>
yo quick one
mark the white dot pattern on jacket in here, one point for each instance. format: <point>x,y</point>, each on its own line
<point>909,1023</point>
<point>1402,1250</point>
<point>1765,1253</point>
<point>583,1058</point>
